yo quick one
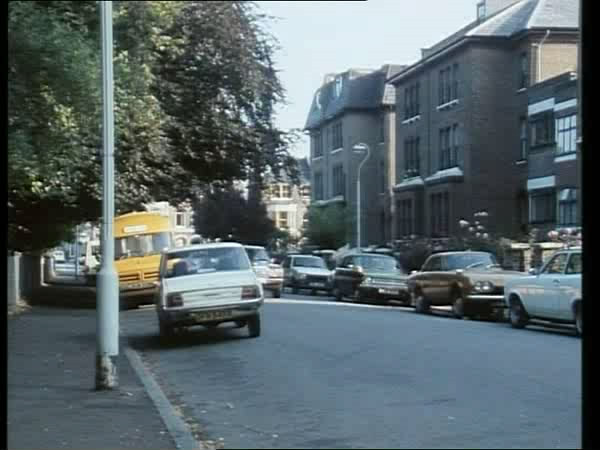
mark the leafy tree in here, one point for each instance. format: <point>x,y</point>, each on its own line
<point>195,90</point>
<point>327,226</point>
<point>225,214</point>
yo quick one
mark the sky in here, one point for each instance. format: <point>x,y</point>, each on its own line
<point>321,37</point>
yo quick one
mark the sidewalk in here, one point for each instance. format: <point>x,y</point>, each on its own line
<point>51,401</point>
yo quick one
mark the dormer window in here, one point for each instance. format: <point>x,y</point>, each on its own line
<point>318,99</point>
<point>338,86</point>
<point>481,11</point>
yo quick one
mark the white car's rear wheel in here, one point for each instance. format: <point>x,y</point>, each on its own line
<point>421,304</point>
<point>254,325</point>
<point>579,321</point>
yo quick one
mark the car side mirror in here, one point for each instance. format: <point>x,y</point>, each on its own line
<point>412,272</point>
<point>533,271</point>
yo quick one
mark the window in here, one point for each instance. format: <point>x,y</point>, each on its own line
<point>305,190</point>
<point>556,264</point>
<point>411,157</point>
<point>523,71</point>
<point>448,147</point>
<point>317,144</point>
<point>179,219</point>
<point>567,207</point>
<point>440,211</point>
<point>523,138</point>
<point>448,84</point>
<point>282,220</point>
<point>405,211</point>
<point>541,130</point>
<point>541,207</point>
<point>339,182</point>
<point>566,134</point>
<point>382,176</point>
<point>481,11</point>
<point>455,81</point>
<point>574,266</point>
<point>411,101</point>
<point>286,191</point>
<point>433,263</point>
<point>338,141</point>
<point>318,186</point>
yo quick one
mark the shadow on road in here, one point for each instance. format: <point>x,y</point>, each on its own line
<point>189,337</point>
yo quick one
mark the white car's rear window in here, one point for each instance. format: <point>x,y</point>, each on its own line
<point>206,260</point>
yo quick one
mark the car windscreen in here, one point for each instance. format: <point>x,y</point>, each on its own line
<point>377,263</point>
<point>309,261</point>
<point>470,260</point>
<point>141,245</point>
<point>257,254</point>
<point>206,260</point>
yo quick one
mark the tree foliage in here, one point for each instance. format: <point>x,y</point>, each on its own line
<point>195,89</point>
<point>224,213</point>
<point>327,226</point>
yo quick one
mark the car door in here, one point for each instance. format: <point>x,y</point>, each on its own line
<point>343,276</point>
<point>569,287</point>
<point>427,278</point>
<point>544,301</point>
<point>286,266</point>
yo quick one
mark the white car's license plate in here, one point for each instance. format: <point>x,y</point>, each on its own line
<point>211,315</point>
<point>317,284</point>
<point>389,291</point>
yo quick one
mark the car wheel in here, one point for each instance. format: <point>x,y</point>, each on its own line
<point>421,304</point>
<point>254,326</point>
<point>277,293</point>
<point>337,294</point>
<point>313,292</point>
<point>294,290</point>
<point>517,315</point>
<point>578,321</point>
<point>165,330</point>
<point>458,306</point>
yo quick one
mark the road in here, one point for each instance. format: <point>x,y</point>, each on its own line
<point>336,375</point>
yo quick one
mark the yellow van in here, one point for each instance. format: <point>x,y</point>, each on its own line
<point>140,237</point>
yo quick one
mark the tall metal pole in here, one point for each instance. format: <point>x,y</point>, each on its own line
<point>360,146</point>
<point>76,252</point>
<point>107,296</point>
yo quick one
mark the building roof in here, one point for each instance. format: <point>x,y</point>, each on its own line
<point>521,16</point>
<point>304,175</point>
<point>353,89</point>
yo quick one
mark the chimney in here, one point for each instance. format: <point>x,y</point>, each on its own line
<point>485,8</point>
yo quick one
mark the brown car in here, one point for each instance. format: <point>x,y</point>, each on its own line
<point>471,282</point>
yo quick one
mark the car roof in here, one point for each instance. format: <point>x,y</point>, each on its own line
<point>253,246</point>
<point>302,255</point>
<point>205,246</point>
<point>374,255</point>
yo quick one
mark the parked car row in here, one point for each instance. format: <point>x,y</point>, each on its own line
<point>208,284</point>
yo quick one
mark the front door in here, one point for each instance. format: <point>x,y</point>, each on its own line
<point>569,288</point>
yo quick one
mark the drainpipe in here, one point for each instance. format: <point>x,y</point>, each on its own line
<point>540,55</point>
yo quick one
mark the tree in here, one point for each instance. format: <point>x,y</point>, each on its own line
<point>225,214</point>
<point>195,90</point>
<point>327,226</point>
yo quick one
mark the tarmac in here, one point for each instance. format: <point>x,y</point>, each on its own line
<point>51,398</point>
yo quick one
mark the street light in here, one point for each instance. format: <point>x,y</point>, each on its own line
<point>359,148</point>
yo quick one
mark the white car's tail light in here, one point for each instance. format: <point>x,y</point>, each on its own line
<point>174,300</point>
<point>250,292</point>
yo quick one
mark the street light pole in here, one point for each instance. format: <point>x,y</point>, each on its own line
<point>359,148</point>
<point>107,293</point>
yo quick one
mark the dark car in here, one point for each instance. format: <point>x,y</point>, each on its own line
<point>368,277</point>
<point>471,282</point>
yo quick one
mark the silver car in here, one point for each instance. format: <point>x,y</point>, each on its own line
<point>306,272</point>
<point>208,284</point>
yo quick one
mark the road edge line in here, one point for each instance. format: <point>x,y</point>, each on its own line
<point>177,427</point>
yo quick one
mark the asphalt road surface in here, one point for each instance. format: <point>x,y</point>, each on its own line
<point>338,375</point>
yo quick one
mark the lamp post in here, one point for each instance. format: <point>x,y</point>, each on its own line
<point>107,292</point>
<point>359,148</point>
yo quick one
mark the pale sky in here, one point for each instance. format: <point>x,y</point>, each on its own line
<point>320,37</point>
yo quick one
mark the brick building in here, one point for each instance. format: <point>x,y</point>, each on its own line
<point>461,112</point>
<point>351,107</point>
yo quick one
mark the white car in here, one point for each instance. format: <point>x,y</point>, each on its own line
<point>208,284</point>
<point>306,272</point>
<point>550,294</point>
